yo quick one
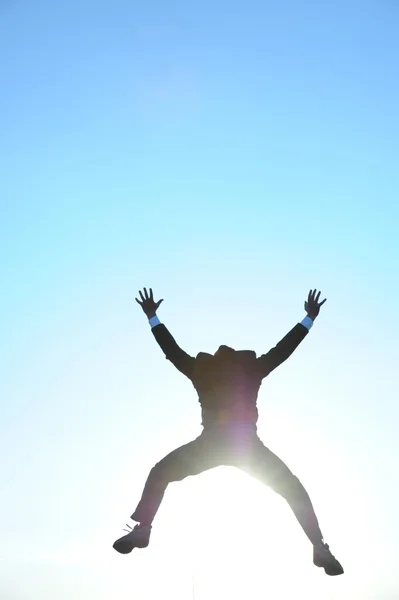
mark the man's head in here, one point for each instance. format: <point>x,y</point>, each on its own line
<point>224,352</point>
<point>237,359</point>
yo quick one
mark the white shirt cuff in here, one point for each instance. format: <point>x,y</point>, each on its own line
<point>154,321</point>
<point>307,322</point>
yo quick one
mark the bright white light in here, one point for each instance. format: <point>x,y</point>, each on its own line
<point>238,539</point>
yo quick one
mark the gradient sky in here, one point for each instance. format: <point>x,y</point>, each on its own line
<point>231,155</point>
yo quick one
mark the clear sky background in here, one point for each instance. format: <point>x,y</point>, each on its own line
<point>231,155</point>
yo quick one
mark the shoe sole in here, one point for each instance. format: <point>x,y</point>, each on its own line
<point>331,573</point>
<point>127,549</point>
<point>122,550</point>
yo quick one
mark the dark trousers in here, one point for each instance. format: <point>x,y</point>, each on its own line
<point>237,446</point>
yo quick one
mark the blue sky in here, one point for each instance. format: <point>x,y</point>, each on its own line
<point>231,156</point>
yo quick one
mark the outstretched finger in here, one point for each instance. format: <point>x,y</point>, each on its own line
<point>310,296</point>
<point>151,294</point>
<point>141,296</point>
<point>146,293</point>
<point>321,303</point>
<point>318,296</point>
<point>138,301</point>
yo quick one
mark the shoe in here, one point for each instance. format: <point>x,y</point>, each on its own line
<point>139,537</point>
<point>322,557</point>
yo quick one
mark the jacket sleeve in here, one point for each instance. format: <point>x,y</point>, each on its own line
<point>277,355</point>
<point>180,359</point>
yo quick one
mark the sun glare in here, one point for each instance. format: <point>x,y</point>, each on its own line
<point>239,538</point>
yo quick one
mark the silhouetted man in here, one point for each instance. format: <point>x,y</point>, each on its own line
<point>227,384</point>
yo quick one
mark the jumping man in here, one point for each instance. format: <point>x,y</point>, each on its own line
<point>227,384</point>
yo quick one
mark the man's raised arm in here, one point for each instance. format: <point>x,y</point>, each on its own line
<point>277,355</point>
<point>180,359</point>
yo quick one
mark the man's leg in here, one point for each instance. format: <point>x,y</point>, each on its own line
<point>265,466</point>
<point>191,459</point>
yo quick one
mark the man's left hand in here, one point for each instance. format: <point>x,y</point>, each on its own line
<point>312,305</point>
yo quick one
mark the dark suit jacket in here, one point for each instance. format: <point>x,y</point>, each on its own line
<point>228,385</point>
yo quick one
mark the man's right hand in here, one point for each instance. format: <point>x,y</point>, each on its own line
<point>148,303</point>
